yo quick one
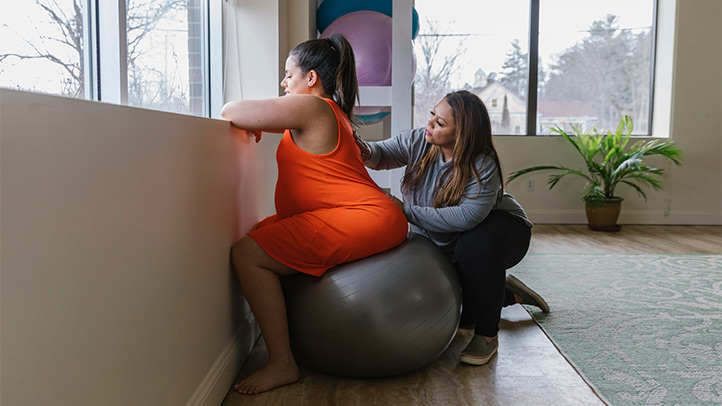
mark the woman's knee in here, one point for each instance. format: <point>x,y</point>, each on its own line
<point>242,253</point>
<point>248,257</point>
<point>477,242</point>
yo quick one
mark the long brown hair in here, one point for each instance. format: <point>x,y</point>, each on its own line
<point>333,60</point>
<point>472,138</point>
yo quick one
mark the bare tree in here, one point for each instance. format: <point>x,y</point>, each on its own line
<point>434,70</point>
<point>143,17</point>
<point>71,37</point>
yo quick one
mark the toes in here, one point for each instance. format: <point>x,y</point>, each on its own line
<point>246,388</point>
<point>242,388</point>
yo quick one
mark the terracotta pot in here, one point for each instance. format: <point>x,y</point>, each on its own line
<point>604,218</point>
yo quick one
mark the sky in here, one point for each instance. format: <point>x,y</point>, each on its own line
<point>24,19</point>
<point>494,24</point>
<point>491,26</point>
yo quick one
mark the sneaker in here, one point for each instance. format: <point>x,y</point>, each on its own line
<point>528,296</point>
<point>479,351</point>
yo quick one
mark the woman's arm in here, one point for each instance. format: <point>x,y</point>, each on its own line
<point>311,120</point>
<point>469,213</point>
<point>397,151</point>
<point>278,114</point>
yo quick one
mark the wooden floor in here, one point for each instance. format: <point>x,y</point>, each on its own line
<point>635,239</point>
<point>528,369</point>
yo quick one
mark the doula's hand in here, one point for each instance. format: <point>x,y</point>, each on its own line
<point>396,200</point>
<point>363,146</point>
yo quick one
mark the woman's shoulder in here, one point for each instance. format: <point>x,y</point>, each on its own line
<point>416,135</point>
<point>305,105</point>
<point>485,164</point>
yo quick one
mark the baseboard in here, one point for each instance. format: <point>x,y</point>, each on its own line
<point>674,217</point>
<point>214,387</point>
<point>651,217</point>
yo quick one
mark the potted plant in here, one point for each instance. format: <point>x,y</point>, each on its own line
<point>608,164</point>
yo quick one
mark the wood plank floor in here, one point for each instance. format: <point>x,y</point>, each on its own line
<point>632,239</point>
<point>528,369</point>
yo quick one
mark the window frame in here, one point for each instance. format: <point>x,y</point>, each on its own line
<point>533,64</point>
<point>106,58</point>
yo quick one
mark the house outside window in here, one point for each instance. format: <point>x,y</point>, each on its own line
<point>572,62</point>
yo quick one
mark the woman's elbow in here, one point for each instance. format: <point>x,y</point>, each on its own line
<point>227,110</point>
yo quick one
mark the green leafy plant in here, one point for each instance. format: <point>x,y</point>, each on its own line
<point>609,163</point>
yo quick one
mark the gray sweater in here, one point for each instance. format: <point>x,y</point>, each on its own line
<point>443,225</point>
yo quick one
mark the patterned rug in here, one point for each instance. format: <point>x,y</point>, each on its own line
<point>642,329</point>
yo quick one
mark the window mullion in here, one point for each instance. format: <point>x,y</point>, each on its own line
<point>533,68</point>
<point>652,67</point>
<point>90,49</point>
<point>113,52</point>
<point>213,59</point>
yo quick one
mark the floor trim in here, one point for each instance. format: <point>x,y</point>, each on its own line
<point>214,386</point>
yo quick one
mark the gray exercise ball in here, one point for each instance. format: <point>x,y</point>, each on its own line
<point>388,314</point>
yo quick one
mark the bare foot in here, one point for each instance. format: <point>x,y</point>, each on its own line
<point>269,377</point>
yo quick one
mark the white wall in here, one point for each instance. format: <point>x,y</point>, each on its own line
<point>117,224</point>
<point>253,66</point>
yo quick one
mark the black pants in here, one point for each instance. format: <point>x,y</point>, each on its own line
<point>482,257</point>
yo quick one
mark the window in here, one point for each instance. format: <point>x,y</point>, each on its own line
<point>165,55</point>
<point>42,47</point>
<point>45,49</point>
<point>573,62</point>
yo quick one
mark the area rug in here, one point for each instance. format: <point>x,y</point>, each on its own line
<point>642,329</point>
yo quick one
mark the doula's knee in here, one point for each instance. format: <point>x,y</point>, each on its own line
<point>469,244</point>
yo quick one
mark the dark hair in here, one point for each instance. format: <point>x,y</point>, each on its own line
<point>333,60</point>
<point>472,138</point>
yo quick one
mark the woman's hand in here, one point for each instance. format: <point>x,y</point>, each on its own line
<point>246,133</point>
<point>363,146</point>
<point>257,134</point>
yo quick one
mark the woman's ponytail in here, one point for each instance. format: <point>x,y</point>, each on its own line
<point>333,60</point>
<point>346,92</point>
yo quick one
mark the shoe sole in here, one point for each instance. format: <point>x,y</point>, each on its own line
<point>472,360</point>
<point>542,304</point>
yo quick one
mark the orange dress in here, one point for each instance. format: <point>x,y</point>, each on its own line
<point>328,209</point>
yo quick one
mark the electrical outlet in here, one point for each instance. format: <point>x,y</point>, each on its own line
<point>666,207</point>
<point>530,185</point>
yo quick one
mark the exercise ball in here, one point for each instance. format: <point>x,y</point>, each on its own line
<point>384,315</point>
<point>369,34</point>
<point>366,119</point>
<point>370,114</point>
<point>368,110</point>
<point>330,10</point>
